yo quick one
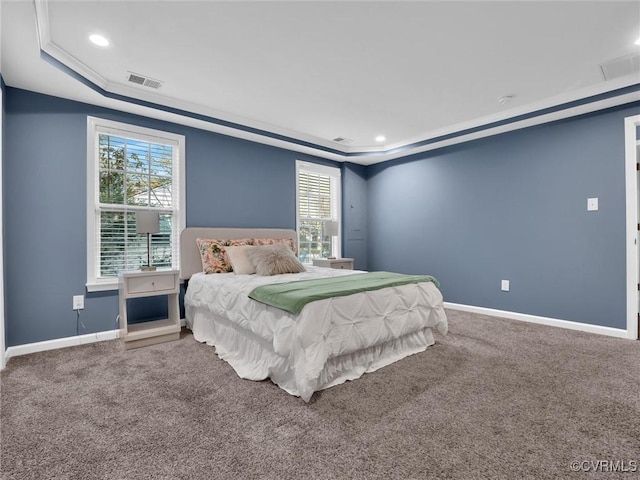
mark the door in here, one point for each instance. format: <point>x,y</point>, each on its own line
<point>632,189</point>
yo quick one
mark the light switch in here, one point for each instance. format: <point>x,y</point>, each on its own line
<point>592,204</point>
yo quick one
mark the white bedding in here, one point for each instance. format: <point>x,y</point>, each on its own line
<point>328,342</point>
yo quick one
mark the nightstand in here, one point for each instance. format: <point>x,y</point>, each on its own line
<point>344,263</point>
<point>138,284</point>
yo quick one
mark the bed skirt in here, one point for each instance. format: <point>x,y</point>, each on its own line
<point>254,359</point>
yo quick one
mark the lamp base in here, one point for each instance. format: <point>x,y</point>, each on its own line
<point>148,269</point>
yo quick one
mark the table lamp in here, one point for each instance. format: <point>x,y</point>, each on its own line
<point>330,228</point>
<point>147,222</point>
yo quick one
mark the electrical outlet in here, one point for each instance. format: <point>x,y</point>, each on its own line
<point>78,302</point>
<point>505,285</point>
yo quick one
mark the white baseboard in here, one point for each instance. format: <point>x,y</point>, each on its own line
<point>61,343</point>
<point>553,322</point>
<point>113,334</point>
<point>64,342</point>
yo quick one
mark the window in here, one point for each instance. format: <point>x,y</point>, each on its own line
<point>130,169</point>
<point>318,202</point>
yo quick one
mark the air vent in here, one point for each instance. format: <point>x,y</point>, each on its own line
<point>344,140</point>
<point>144,81</point>
<point>136,79</point>
<point>621,67</point>
<point>152,83</point>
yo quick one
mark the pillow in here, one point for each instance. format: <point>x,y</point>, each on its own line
<point>274,260</point>
<point>290,242</point>
<point>213,255</point>
<point>239,260</point>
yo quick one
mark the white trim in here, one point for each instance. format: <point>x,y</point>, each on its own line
<point>62,343</point>
<point>631,189</point>
<point>92,189</point>
<point>97,125</point>
<point>101,286</point>
<point>317,168</point>
<point>336,175</point>
<point>371,154</point>
<point>46,345</point>
<point>114,334</point>
<point>553,322</point>
<point>57,52</point>
<point>509,127</point>
<point>3,360</point>
<point>528,108</point>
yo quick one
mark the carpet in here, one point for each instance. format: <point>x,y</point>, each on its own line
<point>494,399</point>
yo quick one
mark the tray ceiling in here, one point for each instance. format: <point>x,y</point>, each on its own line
<point>306,73</point>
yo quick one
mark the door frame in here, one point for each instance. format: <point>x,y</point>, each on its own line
<point>3,351</point>
<point>631,125</point>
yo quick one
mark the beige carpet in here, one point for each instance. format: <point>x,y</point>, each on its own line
<point>494,399</point>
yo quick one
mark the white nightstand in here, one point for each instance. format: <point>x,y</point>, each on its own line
<point>344,263</point>
<point>148,284</point>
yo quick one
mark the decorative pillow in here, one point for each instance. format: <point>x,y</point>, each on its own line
<point>213,255</point>
<point>239,260</point>
<point>274,260</point>
<point>290,242</point>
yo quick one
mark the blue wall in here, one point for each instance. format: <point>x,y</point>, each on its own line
<point>513,207</point>
<point>230,182</point>
<point>510,207</point>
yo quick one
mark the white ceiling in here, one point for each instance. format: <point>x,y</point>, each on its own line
<point>313,71</point>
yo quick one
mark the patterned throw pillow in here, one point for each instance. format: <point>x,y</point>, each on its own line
<point>213,255</point>
<point>290,242</point>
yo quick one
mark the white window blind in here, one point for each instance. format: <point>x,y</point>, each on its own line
<point>318,200</point>
<point>131,169</point>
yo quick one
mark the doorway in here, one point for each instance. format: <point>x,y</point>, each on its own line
<point>632,188</point>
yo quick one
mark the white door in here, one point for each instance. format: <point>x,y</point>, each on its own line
<point>632,187</point>
<point>638,203</point>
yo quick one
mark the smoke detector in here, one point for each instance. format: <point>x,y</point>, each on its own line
<point>144,81</point>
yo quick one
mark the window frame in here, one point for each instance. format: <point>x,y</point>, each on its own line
<point>95,127</point>
<point>336,174</point>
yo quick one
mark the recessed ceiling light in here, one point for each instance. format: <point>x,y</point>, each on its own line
<point>380,138</point>
<point>99,40</point>
<point>638,41</point>
<point>504,100</point>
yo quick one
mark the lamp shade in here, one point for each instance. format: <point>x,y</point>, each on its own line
<point>147,222</point>
<point>331,228</point>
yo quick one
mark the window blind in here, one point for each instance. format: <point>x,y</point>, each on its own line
<point>318,200</point>
<point>133,169</point>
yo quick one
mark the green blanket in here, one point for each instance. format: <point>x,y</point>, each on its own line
<point>293,296</point>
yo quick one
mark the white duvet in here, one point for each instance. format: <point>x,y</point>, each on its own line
<point>340,327</point>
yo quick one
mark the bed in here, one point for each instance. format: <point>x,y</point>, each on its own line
<point>327,343</point>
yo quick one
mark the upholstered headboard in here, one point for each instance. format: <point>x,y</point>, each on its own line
<point>190,261</point>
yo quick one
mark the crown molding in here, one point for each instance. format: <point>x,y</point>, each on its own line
<point>597,97</point>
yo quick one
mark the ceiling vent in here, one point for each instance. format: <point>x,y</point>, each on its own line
<point>621,67</point>
<point>144,81</point>
<point>343,140</point>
